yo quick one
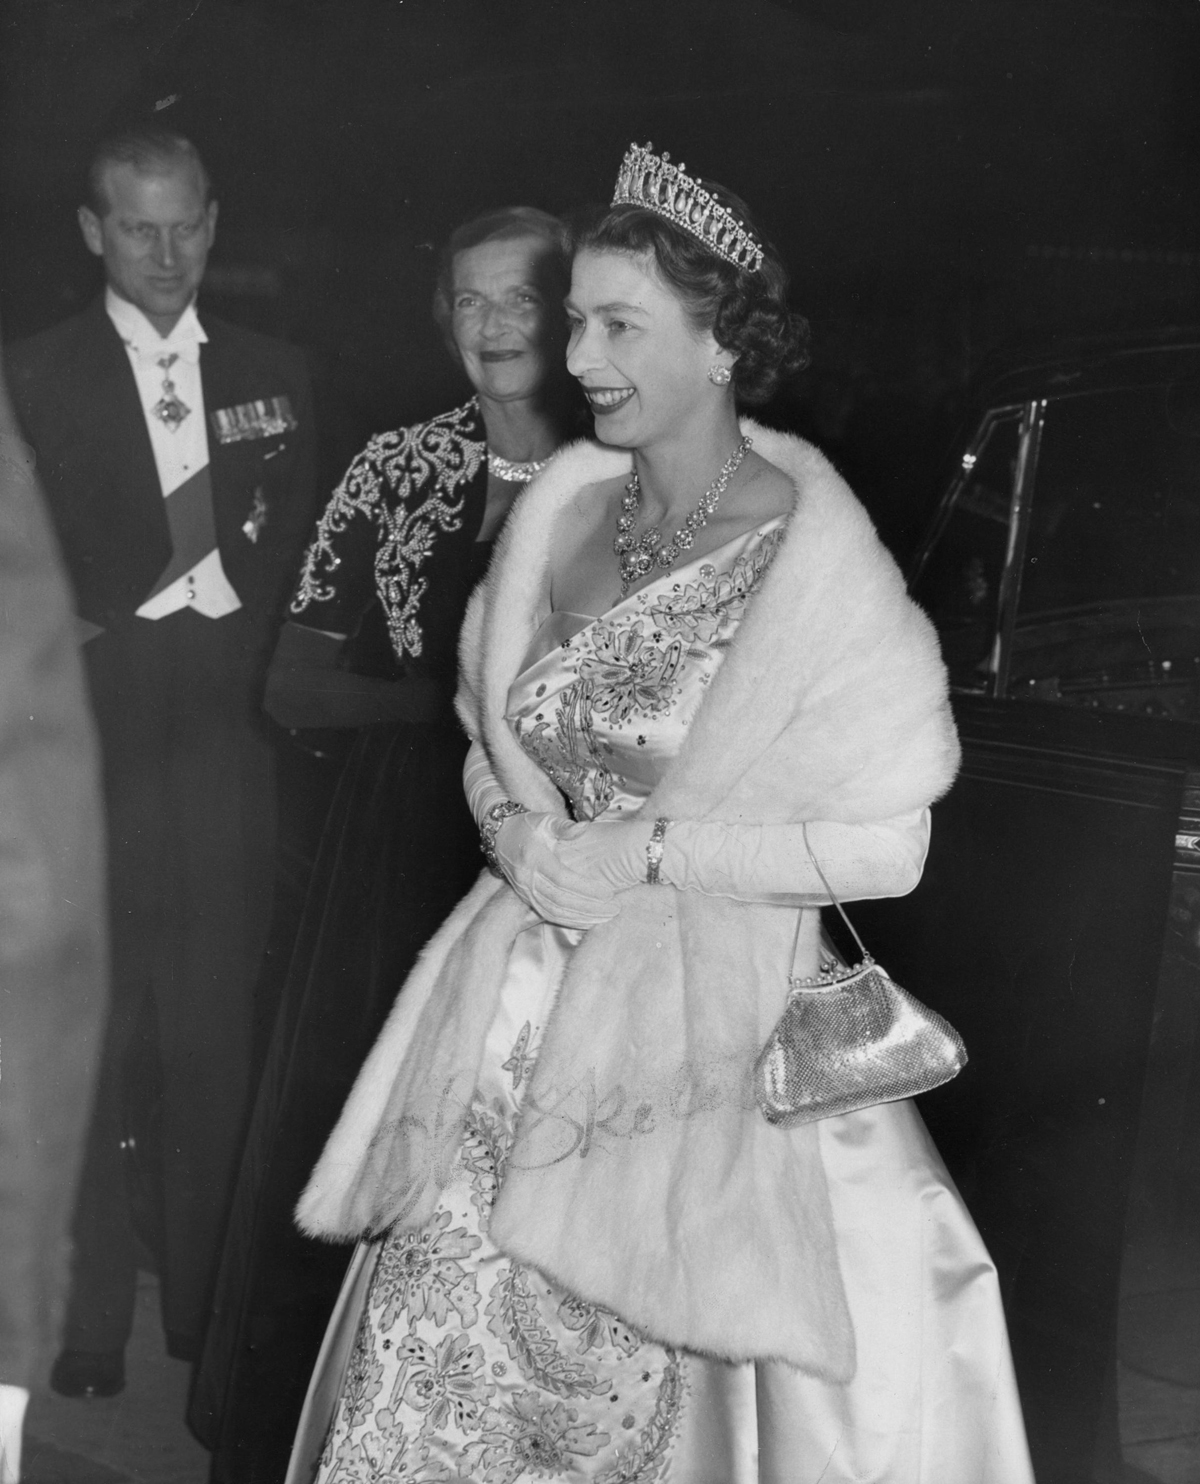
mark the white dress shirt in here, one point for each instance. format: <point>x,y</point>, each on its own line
<point>178,453</point>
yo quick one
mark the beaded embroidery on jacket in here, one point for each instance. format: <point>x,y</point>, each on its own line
<point>411,483</point>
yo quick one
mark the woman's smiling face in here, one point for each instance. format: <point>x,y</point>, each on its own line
<point>642,363</point>
<point>506,327</point>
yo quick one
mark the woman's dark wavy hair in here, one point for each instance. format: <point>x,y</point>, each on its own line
<point>747,313</point>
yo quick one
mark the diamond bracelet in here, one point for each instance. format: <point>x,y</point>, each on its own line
<point>492,821</point>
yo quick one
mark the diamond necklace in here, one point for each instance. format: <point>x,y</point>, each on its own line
<point>513,472</point>
<point>636,558</point>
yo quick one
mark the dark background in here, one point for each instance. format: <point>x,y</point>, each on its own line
<point>946,178</point>
<point>951,181</point>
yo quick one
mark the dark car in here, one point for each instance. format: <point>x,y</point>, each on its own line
<point>1058,921</point>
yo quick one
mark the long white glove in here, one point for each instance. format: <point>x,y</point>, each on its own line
<point>757,863</point>
<point>750,862</point>
<point>480,784</point>
<point>13,1400</point>
<point>526,850</point>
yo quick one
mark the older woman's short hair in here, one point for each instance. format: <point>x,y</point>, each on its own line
<point>504,224</point>
<point>746,312</point>
<point>151,151</point>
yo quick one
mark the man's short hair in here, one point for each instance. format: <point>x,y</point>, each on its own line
<point>150,151</point>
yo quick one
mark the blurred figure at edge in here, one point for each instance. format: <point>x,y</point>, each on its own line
<point>53,969</point>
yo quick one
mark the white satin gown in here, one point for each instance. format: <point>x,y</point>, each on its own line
<point>448,1362</point>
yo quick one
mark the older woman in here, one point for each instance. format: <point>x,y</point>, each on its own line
<point>371,644</point>
<point>595,1259</point>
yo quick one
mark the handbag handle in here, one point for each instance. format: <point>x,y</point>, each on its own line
<point>832,897</point>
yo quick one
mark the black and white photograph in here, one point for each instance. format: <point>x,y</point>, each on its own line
<point>599,742</point>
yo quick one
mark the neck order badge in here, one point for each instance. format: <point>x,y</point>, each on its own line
<point>169,409</point>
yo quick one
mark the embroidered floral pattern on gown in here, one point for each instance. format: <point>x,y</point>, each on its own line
<point>618,695</point>
<point>467,1365</point>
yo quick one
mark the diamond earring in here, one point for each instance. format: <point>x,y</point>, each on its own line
<point>719,375</point>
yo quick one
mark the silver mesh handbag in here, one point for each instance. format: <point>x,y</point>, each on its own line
<point>849,1038</point>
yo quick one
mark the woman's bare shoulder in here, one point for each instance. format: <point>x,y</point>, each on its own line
<point>767,492</point>
<point>582,564</point>
<point>589,499</point>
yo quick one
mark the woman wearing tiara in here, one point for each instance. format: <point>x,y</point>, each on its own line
<point>588,1255</point>
<point>371,644</point>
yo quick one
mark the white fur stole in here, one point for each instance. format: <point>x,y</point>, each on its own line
<point>643,1177</point>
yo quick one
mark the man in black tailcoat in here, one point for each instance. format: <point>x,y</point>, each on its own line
<point>176,453</point>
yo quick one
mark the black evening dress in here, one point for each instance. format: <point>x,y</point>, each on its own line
<point>393,562</point>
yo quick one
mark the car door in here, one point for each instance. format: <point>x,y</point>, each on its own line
<point>1063,572</point>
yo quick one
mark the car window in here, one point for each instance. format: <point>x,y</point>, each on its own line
<point>1109,610</point>
<point>1116,513</point>
<point>960,581</point>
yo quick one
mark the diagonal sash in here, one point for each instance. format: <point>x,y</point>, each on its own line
<point>193,531</point>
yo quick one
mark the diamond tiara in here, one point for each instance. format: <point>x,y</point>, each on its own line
<point>650,180</point>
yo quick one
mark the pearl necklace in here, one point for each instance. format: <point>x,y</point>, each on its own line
<point>636,558</point>
<point>513,472</point>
